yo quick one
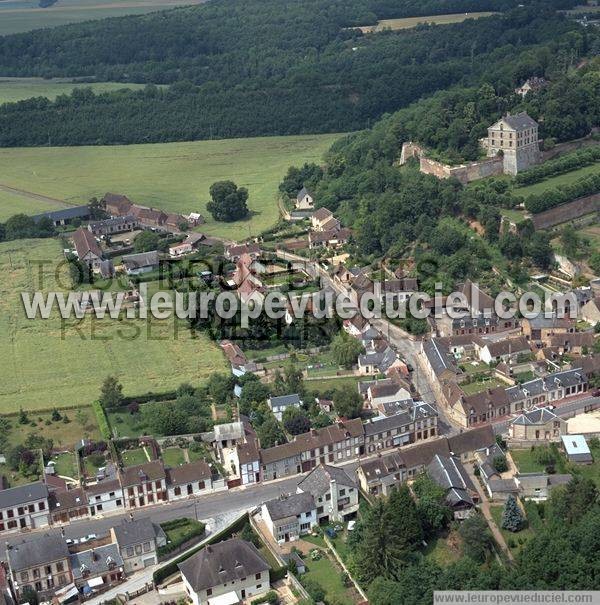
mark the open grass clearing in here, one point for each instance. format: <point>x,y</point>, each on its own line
<point>481,385</point>
<point>25,15</point>
<point>18,89</point>
<point>327,384</point>
<point>445,549</point>
<point>12,203</point>
<point>515,540</point>
<point>327,574</point>
<point>82,425</point>
<point>134,456</point>
<point>175,177</point>
<point>410,22</point>
<point>52,362</point>
<point>65,465</point>
<point>173,456</point>
<point>567,178</point>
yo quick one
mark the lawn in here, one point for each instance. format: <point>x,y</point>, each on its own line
<point>172,176</point>
<point>329,577</point>
<point>323,385</point>
<point>82,424</point>
<point>13,203</point>
<point>591,471</point>
<point>409,22</point>
<point>134,456</point>
<point>444,550</point>
<point>526,460</point>
<point>53,362</point>
<point>478,386</point>
<point>21,16</point>
<point>562,179</point>
<point>18,89</point>
<point>515,540</point>
<point>66,465</point>
<point>175,534</point>
<point>173,456</point>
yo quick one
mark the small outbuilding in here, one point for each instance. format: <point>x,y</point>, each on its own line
<point>577,449</point>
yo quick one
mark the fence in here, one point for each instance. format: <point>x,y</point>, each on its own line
<point>343,565</point>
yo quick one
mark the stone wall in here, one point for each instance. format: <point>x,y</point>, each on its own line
<point>465,173</point>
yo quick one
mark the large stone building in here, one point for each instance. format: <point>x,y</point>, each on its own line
<point>516,136</point>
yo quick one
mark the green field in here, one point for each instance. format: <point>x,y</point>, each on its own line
<point>562,179</point>
<point>12,203</point>
<point>409,22</point>
<point>44,364</point>
<point>18,89</point>
<point>171,176</point>
<point>25,15</point>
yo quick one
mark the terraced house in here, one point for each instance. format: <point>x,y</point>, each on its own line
<point>24,507</point>
<point>144,484</point>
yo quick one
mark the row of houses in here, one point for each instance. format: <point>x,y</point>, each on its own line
<point>51,567</point>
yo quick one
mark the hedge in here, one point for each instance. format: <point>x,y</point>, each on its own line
<point>270,597</point>
<point>102,420</point>
<point>150,396</point>
<point>564,193</point>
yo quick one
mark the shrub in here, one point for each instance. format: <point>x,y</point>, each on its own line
<point>270,597</point>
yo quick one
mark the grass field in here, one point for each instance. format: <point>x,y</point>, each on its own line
<point>562,179</point>
<point>25,15</point>
<point>45,364</point>
<point>171,176</point>
<point>18,89</point>
<point>134,457</point>
<point>11,203</point>
<point>409,22</point>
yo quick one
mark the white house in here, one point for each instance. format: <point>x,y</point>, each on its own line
<point>24,507</point>
<point>192,479</point>
<point>225,573</point>
<point>279,404</point>
<point>180,250</point>
<point>305,200</point>
<point>104,497</point>
<point>290,516</point>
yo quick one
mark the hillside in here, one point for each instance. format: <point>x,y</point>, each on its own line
<point>258,67</point>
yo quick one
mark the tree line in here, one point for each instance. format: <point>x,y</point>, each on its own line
<point>242,69</point>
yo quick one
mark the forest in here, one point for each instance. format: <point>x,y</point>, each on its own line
<point>264,67</point>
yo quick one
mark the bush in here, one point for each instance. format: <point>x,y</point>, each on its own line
<point>314,589</point>
<point>271,598</point>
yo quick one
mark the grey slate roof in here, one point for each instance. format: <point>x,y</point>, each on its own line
<point>143,259</point>
<point>129,533</point>
<point>520,121</point>
<point>96,560</point>
<point>450,474</point>
<point>535,416</point>
<point>283,401</point>
<point>551,382</point>
<point>290,506</point>
<point>38,550</point>
<point>64,214</point>
<point>304,191</point>
<point>22,494</point>
<point>397,421</point>
<point>439,358</point>
<point>317,482</point>
<point>223,562</point>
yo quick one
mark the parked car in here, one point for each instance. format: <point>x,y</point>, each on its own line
<point>331,532</point>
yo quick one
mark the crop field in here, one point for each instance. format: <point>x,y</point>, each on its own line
<point>51,362</point>
<point>562,179</point>
<point>25,15</point>
<point>409,22</point>
<point>18,89</point>
<point>170,176</point>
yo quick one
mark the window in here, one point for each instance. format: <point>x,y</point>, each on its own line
<point>60,566</point>
<point>30,508</point>
<point>208,592</point>
<point>177,491</point>
<point>257,576</point>
<point>147,546</point>
<point>138,549</point>
<point>130,551</point>
<point>24,576</point>
<point>342,492</point>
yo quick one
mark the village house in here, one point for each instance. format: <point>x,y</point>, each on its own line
<point>516,136</point>
<point>379,476</point>
<point>323,220</point>
<point>335,493</point>
<point>505,350</point>
<point>226,572</point>
<point>97,568</point>
<point>450,475</point>
<point>87,248</point>
<point>577,343</point>
<point>379,393</point>
<point>144,484</point>
<point>237,359</point>
<point>345,275</point>
<point>149,217</point>
<point>540,328</point>
<point>138,541</point>
<point>67,505</point>
<point>305,200</point>
<point>471,444</point>
<point>246,278</point>
<point>104,496</point>
<point>440,364</point>
<point>40,563</point>
<point>248,456</point>
<point>24,507</point>
<point>180,250</point>
<point>290,516</point>
<point>334,238</point>
<point>278,405</point>
<point>116,204</point>
<point>66,216</point>
<point>537,424</point>
<point>187,480</point>
<point>398,291</point>
<point>337,443</point>
<point>143,262</point>
<point>533,84</point>
<point>112,226</point>
<point>477,408</point>
<point>378,358</point>
<point>234,252</point>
